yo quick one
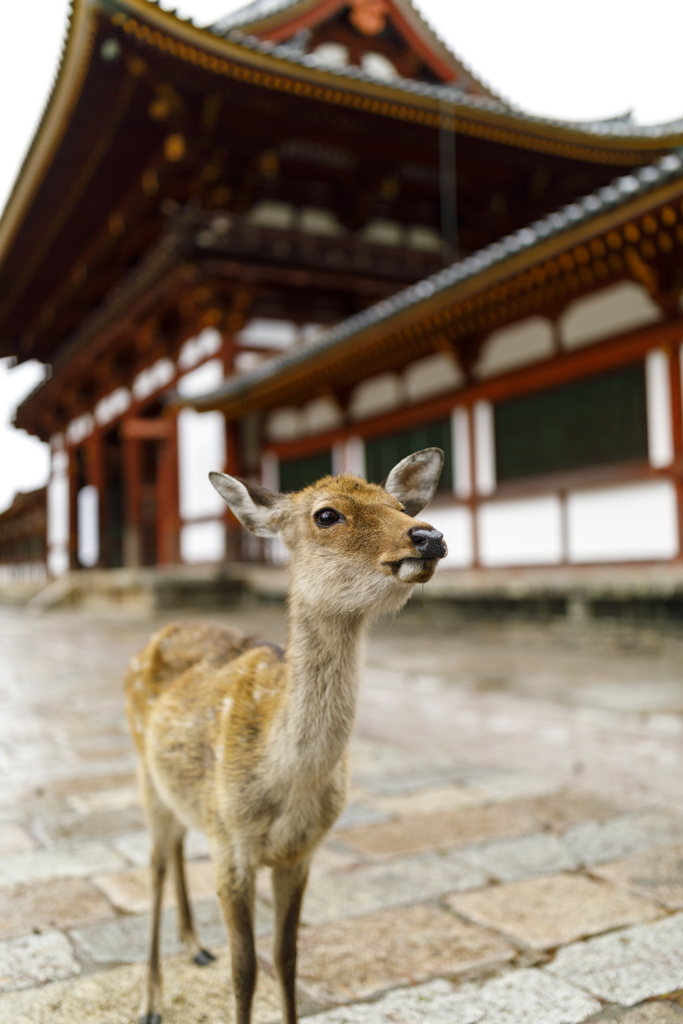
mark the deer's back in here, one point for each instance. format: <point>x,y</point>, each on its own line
<point>172,652</point>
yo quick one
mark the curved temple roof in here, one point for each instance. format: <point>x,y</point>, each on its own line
<point>620,193</point>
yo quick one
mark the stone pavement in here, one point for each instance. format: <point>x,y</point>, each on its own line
<point>512,849</point>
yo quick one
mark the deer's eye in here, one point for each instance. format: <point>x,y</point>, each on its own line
<point>327,517</point>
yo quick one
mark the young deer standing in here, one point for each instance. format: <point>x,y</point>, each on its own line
<point>249,744</point>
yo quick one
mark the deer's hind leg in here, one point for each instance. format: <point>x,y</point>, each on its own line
<point>289,884</point>
<point>188,934</point>
<point>166,832</point>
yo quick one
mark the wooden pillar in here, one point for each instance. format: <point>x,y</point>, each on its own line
<point>233,530</point>
<point>474,500</point>
<point>677,435</point>
<point>94,472</point>
<point>131,484</point>
<point>73,471</point>
<point>168,513</point>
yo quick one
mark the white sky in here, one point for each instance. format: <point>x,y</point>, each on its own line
<point>580,60</point>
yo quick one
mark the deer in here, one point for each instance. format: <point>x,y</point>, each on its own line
<point>248,742</point>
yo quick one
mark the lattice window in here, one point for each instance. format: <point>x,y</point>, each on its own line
<point>593,422</point>
<point>382,453</point>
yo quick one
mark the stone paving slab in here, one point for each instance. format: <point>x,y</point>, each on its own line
<point>522,997</point>
<point>125,939</point>
<point>74,827</point>
<point>33,959</point>
<point>656,874</point>
<point>595,842</point>
<point>338,895</point>
<point>121,798</point>
<point>78,861</point>
<point>510,860</point>
<point>66,903</point>
<point>474,825</point>
<point>192,995</point>
<point>359,958</point>
<point>130,891</point>
<point>542,913</point>
<point>651,1013</point>
<point>627,966</point>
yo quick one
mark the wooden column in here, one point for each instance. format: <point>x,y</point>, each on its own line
<point>677,435</point>
<point>94,471</point>
<point>72,470</point>
<point>168,516</point>
<point>132,504</point>
<point>474,498</point>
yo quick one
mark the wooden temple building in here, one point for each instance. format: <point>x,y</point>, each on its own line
<point>308,239</point>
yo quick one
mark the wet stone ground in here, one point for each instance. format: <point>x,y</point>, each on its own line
<point>512,849</point>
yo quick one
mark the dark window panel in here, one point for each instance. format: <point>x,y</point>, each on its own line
<point>382,453</point>
<point>594,422</point>
<point>296,474</point>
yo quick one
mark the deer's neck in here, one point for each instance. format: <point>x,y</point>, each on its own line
<point>324,661</point>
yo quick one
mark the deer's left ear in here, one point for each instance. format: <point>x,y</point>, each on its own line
<point>256,507</point>
<point>413,481</point>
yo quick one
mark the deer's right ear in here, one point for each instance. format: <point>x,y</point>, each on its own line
<point>257,508</point>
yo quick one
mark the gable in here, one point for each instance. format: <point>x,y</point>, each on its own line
<point>386,38</point>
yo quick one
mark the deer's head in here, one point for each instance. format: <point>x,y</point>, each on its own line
<point>355,546</point>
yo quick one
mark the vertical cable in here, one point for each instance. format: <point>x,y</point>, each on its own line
<point>448,183</point>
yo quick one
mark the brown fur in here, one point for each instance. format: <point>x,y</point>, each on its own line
<point>249,746</point>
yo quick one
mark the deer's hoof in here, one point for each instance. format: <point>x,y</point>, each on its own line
<point>151,1018</point>
<point>202,959</point>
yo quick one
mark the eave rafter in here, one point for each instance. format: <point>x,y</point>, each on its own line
<point>643,243</point>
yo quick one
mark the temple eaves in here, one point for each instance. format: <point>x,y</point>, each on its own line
<point>620,194</point>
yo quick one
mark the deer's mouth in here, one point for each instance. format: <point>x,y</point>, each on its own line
<point>413,570</point>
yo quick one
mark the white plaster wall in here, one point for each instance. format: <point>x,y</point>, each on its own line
<point>153,378</point>
<point>206,378</point>
<point>112,406</point>
<point>201,448</point>
<point>621,307</point>
<point>615,524</point>
<point>484,448</point>
<point>202,542</point>
<point>58,515</point>
<point>658,395</point>
<point>432,375</point>
<point>462,469</point>
<point>201,347</point>
<point>354,456</point>
<point>376,395</point>
<point>285,424</point>
<point>525,531</point>
<point>456,525</point>
<point>528,341</point>
<point>270,471</point>
<point>88,507</point>
<point>322,414</point>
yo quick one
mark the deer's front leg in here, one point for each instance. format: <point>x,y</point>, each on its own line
<point>236,894</point>
<point>288,892</point>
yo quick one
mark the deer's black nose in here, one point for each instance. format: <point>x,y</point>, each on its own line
<point>429,543</point>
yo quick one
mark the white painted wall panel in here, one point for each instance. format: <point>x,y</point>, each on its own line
<point>432,375</point>
<point>620,307</point>
<point>88,507</point>
<point>658,395</point>
<point>201,448</point>
<point>58,515</point>
<point>525,342</point>
<point>456,525</point>
<point>462,469</point>
<point>484,448</point>
<point>525,531</point>
<point>202,542</point>
<point>615,524</point>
